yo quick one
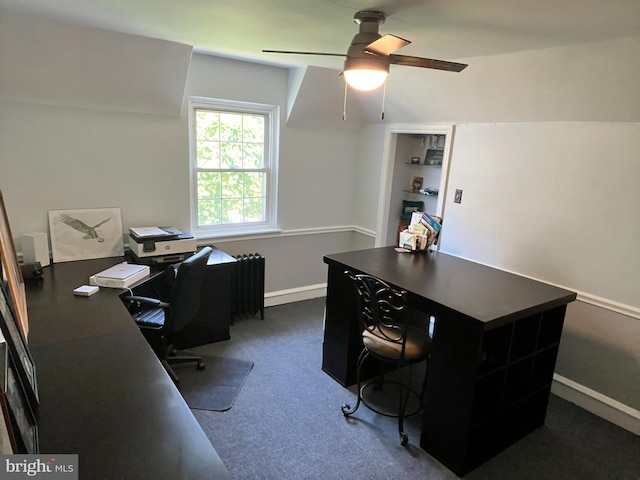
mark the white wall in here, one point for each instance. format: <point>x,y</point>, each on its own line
<point>63,157</point>
<point>550,200</point>
<point>49,62</point>
<point>591,82</point>
<point>368,180</point>
<point>555,202</point>
<point>57,156</point>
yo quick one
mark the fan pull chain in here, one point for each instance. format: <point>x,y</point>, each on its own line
<point>344,105</point>
<point>384,96</point>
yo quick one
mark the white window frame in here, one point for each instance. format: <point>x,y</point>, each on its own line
<point>272,136</point>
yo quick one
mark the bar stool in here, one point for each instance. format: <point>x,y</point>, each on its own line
<point>387,336</point>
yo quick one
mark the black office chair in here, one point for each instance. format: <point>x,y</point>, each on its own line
<point>387,336</point>
<point>161,319</point>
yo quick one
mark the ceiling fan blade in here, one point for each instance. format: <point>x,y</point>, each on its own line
<point>386,45</point>
<point>426,63</point>
<point>305,53</point>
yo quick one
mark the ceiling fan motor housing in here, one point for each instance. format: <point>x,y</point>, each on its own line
<point>369,16</point>
<point>369,22</point>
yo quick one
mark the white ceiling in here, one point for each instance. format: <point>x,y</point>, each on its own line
<point>443,29</point>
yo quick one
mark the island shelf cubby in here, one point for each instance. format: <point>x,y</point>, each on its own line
<point>515,372</point>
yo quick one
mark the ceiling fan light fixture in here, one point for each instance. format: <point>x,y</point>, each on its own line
<point>365,74</point>
<point>365,80</point>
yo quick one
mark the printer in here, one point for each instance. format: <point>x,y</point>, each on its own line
<point>151,245</point>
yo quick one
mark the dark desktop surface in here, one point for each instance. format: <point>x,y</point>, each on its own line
<point>103,393</point>
<point>493,352</point>
<point>486,294</point>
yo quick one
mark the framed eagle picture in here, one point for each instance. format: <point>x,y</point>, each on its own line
<point>85,233</point>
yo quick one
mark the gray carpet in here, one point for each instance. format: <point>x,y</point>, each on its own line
<point>217,386</point>
<point>287,424</point>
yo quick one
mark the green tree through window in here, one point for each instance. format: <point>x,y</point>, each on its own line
<point>233,165</point>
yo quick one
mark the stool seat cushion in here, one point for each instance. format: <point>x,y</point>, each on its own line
<point>381,342</point>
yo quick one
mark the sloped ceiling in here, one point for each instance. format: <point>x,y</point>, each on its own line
<point>315,99</point>
<point>448,29</point>
<point>63,64</point>
<point>587,82</point>
<point>456,30</point>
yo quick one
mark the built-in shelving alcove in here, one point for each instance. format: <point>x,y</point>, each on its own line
<point>415,168</point>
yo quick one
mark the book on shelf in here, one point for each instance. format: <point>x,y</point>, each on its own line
<point>430,222</point>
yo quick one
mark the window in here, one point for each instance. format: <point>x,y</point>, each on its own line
<point>233,166</point>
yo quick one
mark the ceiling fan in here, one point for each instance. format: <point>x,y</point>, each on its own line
<point>368,58</point>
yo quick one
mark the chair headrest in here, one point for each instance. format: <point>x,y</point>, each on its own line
<point>205,252</point>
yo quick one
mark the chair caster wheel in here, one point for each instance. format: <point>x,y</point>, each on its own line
<point>345,408</point>
<point>200,366</point>
<point>404,439</point>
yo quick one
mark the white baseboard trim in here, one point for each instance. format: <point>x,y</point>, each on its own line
<point>611,410</point>
<point>611,305</point>
<point>295,294</point>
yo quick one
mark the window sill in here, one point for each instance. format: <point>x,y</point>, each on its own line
<point>204,236</point>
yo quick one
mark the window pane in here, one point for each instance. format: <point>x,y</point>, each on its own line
<point>209,212</point>
<point>253,128</point>
<point>208,154</point>
<point>254,184</point>
<point>209,185</point>
<point>254,209</point>
<point>207,125</point>
<point>232,185</point>
<point>253,155</point>
<point>230,155</point>
<point>231,127</point>
<point>232,210</point>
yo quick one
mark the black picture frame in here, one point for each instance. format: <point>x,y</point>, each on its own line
<point>10,269</point>
<point>23,364</point>
<point>25,426</point>
<point>8,443</point>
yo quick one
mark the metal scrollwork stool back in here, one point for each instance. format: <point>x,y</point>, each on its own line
<point>387,336</point>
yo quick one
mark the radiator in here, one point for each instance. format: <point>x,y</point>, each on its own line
<point>248,288</point>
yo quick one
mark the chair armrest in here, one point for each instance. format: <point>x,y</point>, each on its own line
<point>147,301</point>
